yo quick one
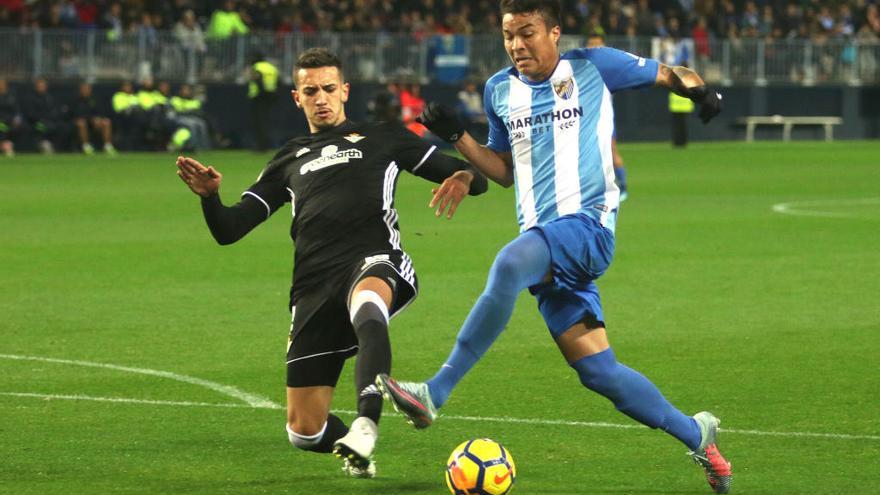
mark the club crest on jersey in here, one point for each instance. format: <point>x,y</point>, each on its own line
<point>354,137</point>
<point>564,88</point>
<point>330,155</point>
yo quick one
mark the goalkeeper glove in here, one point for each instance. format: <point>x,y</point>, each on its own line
<point>442,121</point>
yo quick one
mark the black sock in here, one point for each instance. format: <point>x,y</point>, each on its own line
<point>374,357</point>
<point>335,430</point>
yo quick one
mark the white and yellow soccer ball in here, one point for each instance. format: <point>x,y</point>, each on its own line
<point>480,467</point>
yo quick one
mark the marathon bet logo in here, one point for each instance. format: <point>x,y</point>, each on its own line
<point>330,155</point>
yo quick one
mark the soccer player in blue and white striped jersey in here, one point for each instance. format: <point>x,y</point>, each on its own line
<point>550,128</point>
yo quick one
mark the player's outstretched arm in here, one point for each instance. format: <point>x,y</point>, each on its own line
<point>227,224</point>
<point>494,165</point>
<point>442,121</point>
<point>685,82</point>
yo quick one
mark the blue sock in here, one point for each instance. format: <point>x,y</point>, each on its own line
<point>520,264</point>
<point>620,178</point>
<point>635,396</point>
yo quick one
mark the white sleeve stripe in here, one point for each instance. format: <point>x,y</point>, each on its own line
<point>424,158</point>
<point>268,210</point>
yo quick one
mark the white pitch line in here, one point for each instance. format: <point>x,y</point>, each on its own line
<point>126,400</point>
<point>804,208</point>
<point>249,399</point>
<point>487,419</point>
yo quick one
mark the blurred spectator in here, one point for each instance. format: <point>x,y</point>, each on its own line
<point>126,109</point>
<point>152,117</point>
<point>88,119</point>
<point>69,64</point>
<point>44,117</point>
<point>700,35</point>
<point>470,103</point>
<point>262,90</point>
<point>385,106</point>
<point>226,23</point>
<point>189,34</point>
<point>412,104</point>
<point>189,113</point>
<point>10,119</point>
<point>111,21</point>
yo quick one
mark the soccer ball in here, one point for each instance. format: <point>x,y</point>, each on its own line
<point>480,467</point>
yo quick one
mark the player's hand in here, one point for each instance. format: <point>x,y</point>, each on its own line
<point>710,106</point>
<point>202,180</point>
<point>442,121</point>
<point>450,193</point>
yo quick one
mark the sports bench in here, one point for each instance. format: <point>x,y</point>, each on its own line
<point>787,123</point>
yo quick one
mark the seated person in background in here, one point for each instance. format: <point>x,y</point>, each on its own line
<point>470,104</point>
<point>10,120</point>
<point>188,110</point>
<point>152,116</point>
<point>86,118</point>
<point>125,115</point>
<point>43,115</point>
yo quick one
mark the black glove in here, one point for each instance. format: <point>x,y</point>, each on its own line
<point>710,105</point>
<point>442,121</point>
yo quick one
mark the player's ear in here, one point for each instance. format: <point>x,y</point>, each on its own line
<point>345,88</point>
<point>295,96</point>
<point>555,33</point>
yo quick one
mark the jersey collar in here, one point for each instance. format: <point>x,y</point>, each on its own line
<point>529,82</point>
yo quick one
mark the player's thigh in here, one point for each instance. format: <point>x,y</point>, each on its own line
<point>320,341</point>
<point>393,270</point>
<point>374,284</point>
<point>308,407</point>
<point>582,340</point>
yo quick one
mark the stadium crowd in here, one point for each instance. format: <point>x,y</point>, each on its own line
<point>200,20</point>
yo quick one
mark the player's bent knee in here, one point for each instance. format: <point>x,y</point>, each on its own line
<point>598,372</point>
<point>366,306</point>
<point>305,441</point>
<point>506,265</point>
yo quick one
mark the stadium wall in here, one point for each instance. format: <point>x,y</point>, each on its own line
<point>640,115</point>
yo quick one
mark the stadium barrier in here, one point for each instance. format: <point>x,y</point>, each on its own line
<point>378,57</point>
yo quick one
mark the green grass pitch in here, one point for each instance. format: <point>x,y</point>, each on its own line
<point>746,282</point>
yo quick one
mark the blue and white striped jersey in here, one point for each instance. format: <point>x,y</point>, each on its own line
<point>559,132</point>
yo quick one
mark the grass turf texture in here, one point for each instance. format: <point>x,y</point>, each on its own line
<point>769,320</point>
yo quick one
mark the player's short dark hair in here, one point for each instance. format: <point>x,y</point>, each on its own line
<point>314,58</point>
<point>550,10</point>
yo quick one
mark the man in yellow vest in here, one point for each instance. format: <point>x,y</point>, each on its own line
<point>226,23</point>
<point>680,107</point>
<point>262,89</point>
<point>126,115</point>
<point>189,113</point>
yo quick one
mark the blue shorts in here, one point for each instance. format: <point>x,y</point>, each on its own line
<point>580,251</point>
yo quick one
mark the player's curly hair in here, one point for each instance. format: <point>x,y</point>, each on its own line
<point>314,58</point>
<point>550,10</point>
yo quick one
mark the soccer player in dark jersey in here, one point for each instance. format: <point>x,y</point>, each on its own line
<point>351,274</point>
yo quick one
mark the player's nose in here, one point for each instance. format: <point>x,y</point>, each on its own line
<point>516,44</point>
